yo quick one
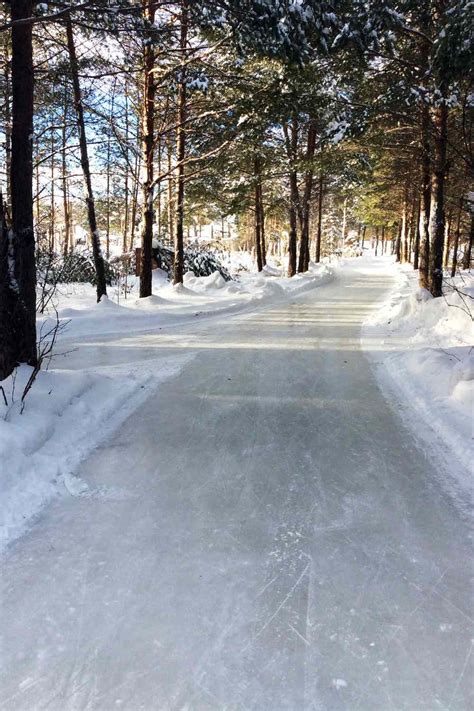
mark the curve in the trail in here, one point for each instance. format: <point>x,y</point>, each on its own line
<point>263,533</point>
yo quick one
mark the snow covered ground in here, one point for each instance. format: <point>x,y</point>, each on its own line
<point>83,396</point>
<point>263,532</point>
<point>197,298</point>
<point>421,347</point>
<point>424,354</point>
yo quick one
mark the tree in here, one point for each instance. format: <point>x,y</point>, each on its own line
<point>181,148</point>
<point>21,253</point>
<point>91,213</point>
<point>148,145</point>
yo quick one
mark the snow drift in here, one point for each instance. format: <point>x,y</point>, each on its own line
<point>423,350</point>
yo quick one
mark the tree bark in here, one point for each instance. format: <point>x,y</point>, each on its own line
<point>108,179</point>
<point>181,150</point>
<point>425,206</point>
<point>52,215</point>
<point>411,229</point>
<point>262,223</point>
<point>148,142</point>
<point>303,261</point>
<point>398,243</point>
<point>416,249</point>
<point>7,115</point>
<point>466,261</point>
<point>258,216</point>
<point>454,264</point>
<point>437,215</point>
<point>260,245</point>
<point>67,237</point>
<point>8,301</point>
<point>23,242</point>
<point>447,239</point>
<point>126,176</point>
<point>291,136</point>
<point>37,197</point>
<point>91,214</point>
<point>169,153</point>
<point>317,251</point>
<point>404,235</point>
<point>158,216</point>
<point>134,205</point>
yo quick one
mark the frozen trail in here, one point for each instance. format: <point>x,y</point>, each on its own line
<point>263,533</point>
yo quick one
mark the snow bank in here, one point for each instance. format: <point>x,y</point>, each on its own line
<point>207,283</point>
<point>66,415</point>
<point>170,304</point>
<point>423,350</point>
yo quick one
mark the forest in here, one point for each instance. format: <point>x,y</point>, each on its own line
<point>278,127</point>
<point>236,355</point>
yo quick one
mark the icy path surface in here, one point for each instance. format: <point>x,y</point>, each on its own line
<point>263,533</point>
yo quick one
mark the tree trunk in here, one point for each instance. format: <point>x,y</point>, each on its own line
<point>411,229</point>
<point>37,197</point>
<point>303,261</point>
<point>169,152</point>
<point>8,301</point>
<point>262,223</point>
<point>91,215</point>
<point>148,141</point>
<point>466,260</point>
<point>258,233</point>
<point>260,247</point>
<point>405,230</point>
<point>7,116</point>
<point>447,239</point>
<point>23,242</point>
<point>134,206</point>
<point>158,216</point>
<point>398,243</point>
<point>454,264</point>
<point>126,176</point>
<point>67,237</point>
<point>258,216</point>
<point>425,205</point>
<point>437,217</point>
<point>52,216</point>
<point>109,153</point>
<point>317,251</point>
<point>181,150</point>
<point>292,148</point>
<point>416,245</point>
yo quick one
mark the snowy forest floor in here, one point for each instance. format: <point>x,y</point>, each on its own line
<point>263,529</point>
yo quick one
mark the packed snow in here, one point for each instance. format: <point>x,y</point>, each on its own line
<point>82,398</point>
<point>265,531</point>
<point>63,418</point>
<point>424,354</point>
<point>198,297</point>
